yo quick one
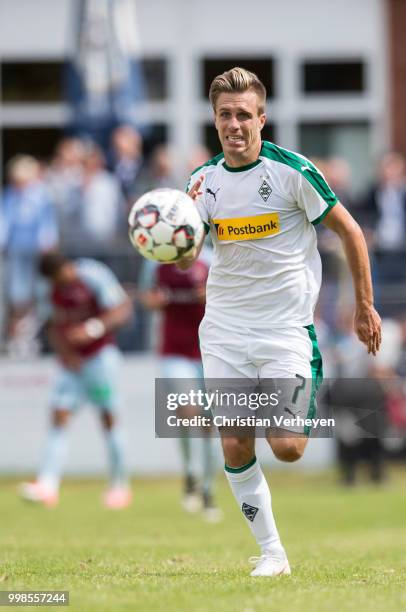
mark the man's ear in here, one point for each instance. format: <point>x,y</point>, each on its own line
<point>262,120</point>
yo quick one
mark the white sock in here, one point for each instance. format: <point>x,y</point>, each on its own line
<point>115,446</point>
<point>254,499</point>
<point>54,460</point>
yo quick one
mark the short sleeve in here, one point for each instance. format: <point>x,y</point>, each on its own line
<point>314,195</point>
<point>101,280</point>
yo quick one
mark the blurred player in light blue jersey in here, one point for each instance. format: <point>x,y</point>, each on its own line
<point>83,305</point>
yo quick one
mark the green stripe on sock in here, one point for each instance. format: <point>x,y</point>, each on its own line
<point>240,469</point>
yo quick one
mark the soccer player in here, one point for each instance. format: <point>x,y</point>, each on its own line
<point>261,203</point>
<point>83,305</point>
<point>180,296</point>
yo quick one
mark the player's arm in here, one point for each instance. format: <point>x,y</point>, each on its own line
<point>154,299</point>
<point>109,321</point>
<point>367,322</point>
<point>68,357</point>
<point>188,260</point>
<point>116,317</point>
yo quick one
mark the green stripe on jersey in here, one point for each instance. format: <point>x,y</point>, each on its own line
<point>305,167</point>
<point>211,162</point>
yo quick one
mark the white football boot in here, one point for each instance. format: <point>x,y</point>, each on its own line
<point>270,565</point>
<point>38,492</point>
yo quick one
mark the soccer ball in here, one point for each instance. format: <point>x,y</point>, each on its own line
<point>165,225</point>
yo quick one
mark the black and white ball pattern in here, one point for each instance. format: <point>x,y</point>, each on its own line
<point>164,225</point>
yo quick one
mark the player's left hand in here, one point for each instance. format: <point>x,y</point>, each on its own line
<point>367,325</point>
<point>194,191</point>
<point>78,335</point>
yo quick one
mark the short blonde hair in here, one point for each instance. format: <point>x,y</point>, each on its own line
<point>238,80</point>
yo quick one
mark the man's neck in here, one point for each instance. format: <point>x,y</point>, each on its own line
<point>249,157</point>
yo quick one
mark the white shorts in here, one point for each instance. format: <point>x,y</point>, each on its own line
<point>264,356</point>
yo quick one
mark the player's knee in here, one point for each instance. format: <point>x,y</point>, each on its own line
<point>237,451</point>
<point>288,449</point>
<point>60,418</point>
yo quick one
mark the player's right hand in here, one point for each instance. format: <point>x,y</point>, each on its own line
<point>367,325</point>
<point>194,191</point>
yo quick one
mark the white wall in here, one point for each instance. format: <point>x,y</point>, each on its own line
<point>24,391</point>
<point>296,26</point>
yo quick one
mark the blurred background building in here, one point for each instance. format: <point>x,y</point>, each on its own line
<point>108,98</point>
<point>332,70</point>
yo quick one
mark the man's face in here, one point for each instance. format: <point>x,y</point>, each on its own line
<point>239,124</point>
<point>66,275</point>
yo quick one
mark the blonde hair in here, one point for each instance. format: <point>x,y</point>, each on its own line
<point>238,80</point>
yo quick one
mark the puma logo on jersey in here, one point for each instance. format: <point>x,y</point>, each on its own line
<point>213,193</point>
<point>247,228</point>
<point>304,168</point>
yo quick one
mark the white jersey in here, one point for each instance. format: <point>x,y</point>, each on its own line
<point>266,269</point>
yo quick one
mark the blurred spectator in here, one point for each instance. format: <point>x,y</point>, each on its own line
<point>401,365</point>
<point>338,175</point>
<point>64,178</point>
<point>385,204</point>
<point>199,156</point>
<point>159,173</point>
<point>127,159</point>
<point>337,285</point>
<point>29,228</point>
<point>101,202</point>
<point>358,397</point>
<point>384,212</point>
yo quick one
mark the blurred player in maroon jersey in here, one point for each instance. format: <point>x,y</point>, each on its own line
<point>83,304</point>
<point>180,296</point>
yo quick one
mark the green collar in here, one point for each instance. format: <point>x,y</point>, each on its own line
<point>242,168</point>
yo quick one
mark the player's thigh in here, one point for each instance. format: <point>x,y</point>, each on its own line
<point>67,392</point>
<point>224,352</point>
<point>100,378</point>
<point>295,374</point>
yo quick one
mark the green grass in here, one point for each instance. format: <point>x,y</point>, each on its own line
<point>346,548</point>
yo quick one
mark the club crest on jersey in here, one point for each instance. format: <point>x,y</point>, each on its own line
<point>250,512</point>
<point>247,228</point>
<point>265,190</point>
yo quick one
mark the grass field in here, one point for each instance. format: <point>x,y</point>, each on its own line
<point>347,549</point>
